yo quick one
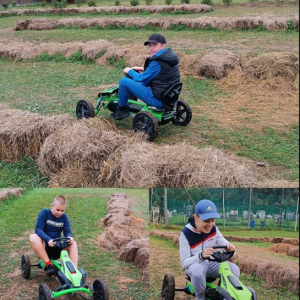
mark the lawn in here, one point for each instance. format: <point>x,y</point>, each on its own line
<point>85,209</point>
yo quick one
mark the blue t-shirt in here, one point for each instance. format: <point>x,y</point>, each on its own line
<point>49,227</point>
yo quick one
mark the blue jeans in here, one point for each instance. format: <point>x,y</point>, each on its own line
<point>127,86</point>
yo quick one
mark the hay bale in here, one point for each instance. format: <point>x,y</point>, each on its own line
<point>116,218</point>
<point>189,64</point>
<point>291,241</point>
<point>287,249</point>
<point>92,48</point>
<point>42,24</point>
<point>22,133</point>
<point>117,236</point>
<point>270,65</point>
<point>170,236</point>
<point>9,193</point>
<point>21,25</point>
<point>217,63</point>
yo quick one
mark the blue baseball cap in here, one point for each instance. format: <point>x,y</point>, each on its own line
<point>206,209</point>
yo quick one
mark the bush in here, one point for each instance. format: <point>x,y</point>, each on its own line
<point>5,5</point>
<point>91,3</point>
<point>117,3</point>
<point>227,2</point>
<point>207,2</point>
<point>59,3</point>
<point>168,2</point>
<point>185,1</point>
<point>14,4</point>
<point>149,2</point>
<point>134,2</point>
<point>78,3</point>
<point>291,25</point>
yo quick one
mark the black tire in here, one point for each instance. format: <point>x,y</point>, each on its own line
<point>168,287</point>
<point>25,266</point>
<point>144,122</point>
<point>84,109</point>
<point>100,290</point>
<point>44,292</point>
<point>183,115</point>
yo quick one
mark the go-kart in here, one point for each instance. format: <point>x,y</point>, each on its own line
<point>145,118</point>
<point>229,287</point>
<point>72,280</point>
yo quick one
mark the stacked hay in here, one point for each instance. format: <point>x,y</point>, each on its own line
<point>170,236</point>
<point>217,63</point>
<point>275,275</point>
<point>189,64</point>
<point>287,249</point>
<point>270,65</point>
<point>23,133</point>
<point>137,252</point>
<point>8,193</point>
<point>117,235</point>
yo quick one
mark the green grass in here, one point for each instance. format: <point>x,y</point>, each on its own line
<point>85,209</point>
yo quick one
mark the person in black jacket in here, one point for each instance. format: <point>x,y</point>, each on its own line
<point>159,73</point>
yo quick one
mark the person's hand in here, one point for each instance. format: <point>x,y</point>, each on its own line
<point>126,70</point>
<point>207,252</point>
<point>139,69</point>
<point>51,243</point>
<point>71,240</point>
<point>230,248</point>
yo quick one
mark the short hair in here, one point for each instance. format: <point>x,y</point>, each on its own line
<point>61,200</point>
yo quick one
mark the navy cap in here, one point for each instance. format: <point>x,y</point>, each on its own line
<point>156,38</point>
<point>206,209</point>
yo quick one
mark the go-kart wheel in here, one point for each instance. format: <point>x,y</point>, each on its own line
<point>44,292</point>
<point>84,109</point>
<point>144,122</point>
<point>183,115</point>
<point>168,287</point>
<point>26,266</point>
<point>100,290</point>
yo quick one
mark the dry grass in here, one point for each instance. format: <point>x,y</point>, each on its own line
<point>287,249</point>
<point>23,133</point>
<point>8,193</point>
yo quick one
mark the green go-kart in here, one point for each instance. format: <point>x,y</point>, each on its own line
<point>72,280</point>
<point>145,118</point>
<point>229,287</point>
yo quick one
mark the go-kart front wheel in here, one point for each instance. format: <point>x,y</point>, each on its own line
<point>183,115</point>
<point>26,266</point>
<point>44,292</point>
<point>84,109</point>
<point>145,122</point>
<point>168,287</point>
<point>100,290</point>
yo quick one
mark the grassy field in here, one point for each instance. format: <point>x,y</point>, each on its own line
<point>55,86</point>
<point>166,260</point>
<point>85,209</point>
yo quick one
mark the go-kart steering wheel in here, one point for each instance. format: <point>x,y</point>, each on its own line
<point>62,242</point>
<point>220,256</point>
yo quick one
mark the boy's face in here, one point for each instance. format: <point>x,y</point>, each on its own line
<point>154,48</point>
<point>57,210</point>
<point>204,226</point>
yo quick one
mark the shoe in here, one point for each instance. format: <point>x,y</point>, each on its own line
<point>50,270</point>
<point>120,113</point>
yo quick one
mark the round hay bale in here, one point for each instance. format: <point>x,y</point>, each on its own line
<point>21,25</point>
<point>287,249</point>
<point>117,236</point>
<point>270,65</point>
<point>22,133</point>
<point>116,218</point>
<point>189,64</point>
<point>9,193</point>
<point>217,63</point>
<point>142,257</point>
<point>42,24</point>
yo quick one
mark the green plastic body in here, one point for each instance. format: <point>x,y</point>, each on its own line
<point>110,95</point>
<point>225,271</point>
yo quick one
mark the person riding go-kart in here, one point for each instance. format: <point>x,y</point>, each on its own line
<point>157,84</point>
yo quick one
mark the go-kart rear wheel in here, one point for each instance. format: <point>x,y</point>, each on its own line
<point>44,292</point>
<point>144,122</point>
<point>84,109</point>
<point>168,287</point>
<point>25,266</point>
<point>100,290</point>
<point>183,115</point>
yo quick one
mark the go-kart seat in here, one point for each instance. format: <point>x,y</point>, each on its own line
<point>169,98</point>
<point>208,279</point>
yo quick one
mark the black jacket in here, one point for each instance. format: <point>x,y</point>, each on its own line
<point>168,75</point>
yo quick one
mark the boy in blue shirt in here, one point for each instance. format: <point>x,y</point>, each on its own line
<point>50,224</point>
<point>160,72</point>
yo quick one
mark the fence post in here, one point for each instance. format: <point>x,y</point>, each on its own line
<point>166,206</point>
<point>249,207</point>
<point>296,221</point>
<point>223,208</point>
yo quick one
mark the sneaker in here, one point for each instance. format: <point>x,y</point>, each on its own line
<point>120,113</point>
<point>50,270</point>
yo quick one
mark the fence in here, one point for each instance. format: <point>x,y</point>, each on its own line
<point>254,208</point>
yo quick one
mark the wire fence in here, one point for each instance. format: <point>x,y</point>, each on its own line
<point>243,208</point>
